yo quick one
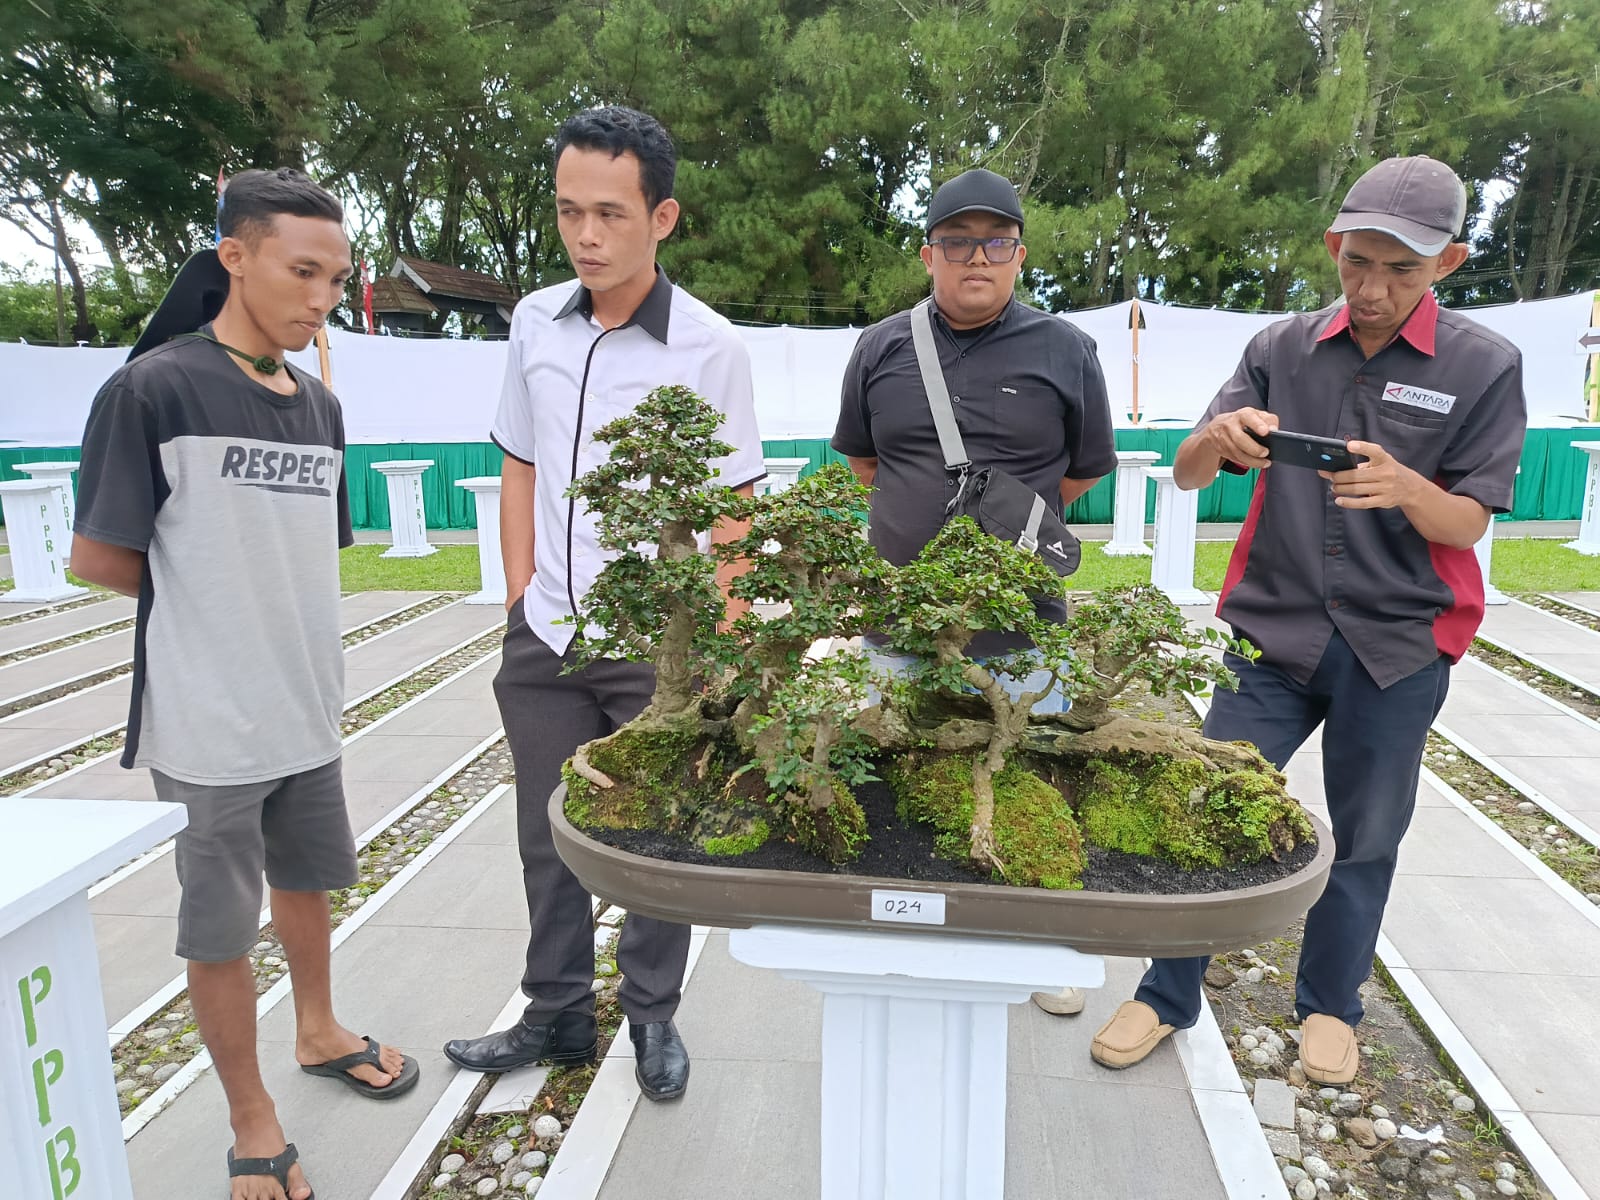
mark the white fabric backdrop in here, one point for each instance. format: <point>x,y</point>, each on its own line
<point>428,390</point>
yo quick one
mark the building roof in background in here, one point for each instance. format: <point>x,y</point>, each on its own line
<point>456,283</point>
<point>393,295</point>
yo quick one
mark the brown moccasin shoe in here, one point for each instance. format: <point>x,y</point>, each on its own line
<point>1129,1036</point>
<point>1328,1050</point>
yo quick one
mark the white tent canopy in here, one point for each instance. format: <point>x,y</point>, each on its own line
<point>438,390</point>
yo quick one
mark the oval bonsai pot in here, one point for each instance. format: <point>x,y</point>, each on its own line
<point>1126,924</point>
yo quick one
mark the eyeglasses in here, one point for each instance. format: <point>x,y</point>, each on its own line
<point>960,249</point>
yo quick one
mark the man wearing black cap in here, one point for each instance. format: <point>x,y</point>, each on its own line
<point>1025,387</point>
<point>1361,587</point>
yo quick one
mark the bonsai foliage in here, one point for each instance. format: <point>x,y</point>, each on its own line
<point>768,727</point>
<point>654,490</point>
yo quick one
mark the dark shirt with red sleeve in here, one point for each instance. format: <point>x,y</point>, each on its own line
<point>1445,399</point>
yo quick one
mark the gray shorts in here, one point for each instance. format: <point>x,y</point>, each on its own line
<point>295,829</point>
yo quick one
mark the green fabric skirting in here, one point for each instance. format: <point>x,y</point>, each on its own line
<point>1549,488</point>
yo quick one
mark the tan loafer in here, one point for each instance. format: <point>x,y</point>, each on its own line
<point>1068,1002</point>
<point>1129,1036</point>
<point>1328,1050</point>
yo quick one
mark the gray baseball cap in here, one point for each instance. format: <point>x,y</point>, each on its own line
<point>1417,200</point>
<point>976,190</point>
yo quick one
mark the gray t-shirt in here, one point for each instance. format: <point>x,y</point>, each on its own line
<point>237,497</point>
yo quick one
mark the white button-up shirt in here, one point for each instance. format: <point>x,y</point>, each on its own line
<point>566,376</point>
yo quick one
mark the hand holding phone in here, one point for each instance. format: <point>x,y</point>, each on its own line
<point>1307,450</point>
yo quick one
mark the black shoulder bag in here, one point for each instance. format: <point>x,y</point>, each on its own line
<point>1001,504</point>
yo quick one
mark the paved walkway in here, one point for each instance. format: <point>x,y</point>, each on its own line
<point>1505,957</point>
<point>384,763</point>
<point>1510,955</point>
<point>36,733</point>
<point>73,621</point>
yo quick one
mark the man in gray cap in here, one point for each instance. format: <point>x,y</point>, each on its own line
<point>1026,391</point>
<point>1361,587</point>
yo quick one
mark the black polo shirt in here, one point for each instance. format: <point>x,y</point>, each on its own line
<point>1444,398</point>
<point>1028,395</point>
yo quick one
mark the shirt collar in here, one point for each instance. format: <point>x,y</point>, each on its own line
<point>652,315</point>
<point>1419,329</point>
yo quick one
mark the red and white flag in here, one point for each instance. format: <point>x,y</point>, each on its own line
<point>366,297</point>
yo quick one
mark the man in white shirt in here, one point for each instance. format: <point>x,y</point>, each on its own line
<point>581,354</point>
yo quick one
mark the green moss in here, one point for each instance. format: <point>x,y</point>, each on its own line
<point>739,843</point>
<point>1169,808</point>
<point>1034,830</point>
<point>836,833</point>
<point>653,773</point>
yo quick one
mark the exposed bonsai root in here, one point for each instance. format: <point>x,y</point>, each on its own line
<point>1129,735</point>
<point>582,767</point>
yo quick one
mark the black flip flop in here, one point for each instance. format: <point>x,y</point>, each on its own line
<point>277,1166</point>
<point>339,1068</point>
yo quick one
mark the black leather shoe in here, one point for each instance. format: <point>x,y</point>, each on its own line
<point>662,1063</point>
<point>570,1038</point>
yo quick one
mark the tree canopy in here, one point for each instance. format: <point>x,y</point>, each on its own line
<point>1166,149</point>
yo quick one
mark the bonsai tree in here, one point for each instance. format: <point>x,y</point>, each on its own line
<point>659,605</point>
<point>752,734</point>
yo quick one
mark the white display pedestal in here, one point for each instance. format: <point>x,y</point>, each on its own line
<point>59,474</point>
<point>782,474</point>
<point>1177,512</point>
<point>913,1050</point>
<point>1127,529</point>
<point>485,491</point>
<point>1589,529</point>
<point>1484,548</point>
<point>60,1132</point>
<point>36,534</point>
<point>408,524</point>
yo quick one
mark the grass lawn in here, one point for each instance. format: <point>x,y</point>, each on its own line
<point>1520,565</point>
<point>453,569</point>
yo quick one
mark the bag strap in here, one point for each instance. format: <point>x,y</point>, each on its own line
<point>944,416</point>
<point>1028,539</point>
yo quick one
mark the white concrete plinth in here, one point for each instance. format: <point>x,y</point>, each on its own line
<point>1127,517</point>
<point>36,534</point>
<point>60,1131</point>
<point>913,1050</point>
<point>1589,528</point>
<point>782,474</point>
<point>60,475</point>
<point>408,524</point>
<point>485,491</point>
<point>1172,568</point>
<point>1484,548</point>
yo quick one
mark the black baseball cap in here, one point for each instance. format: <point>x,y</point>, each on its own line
<point>976,190</point>
<point>1417,200</point>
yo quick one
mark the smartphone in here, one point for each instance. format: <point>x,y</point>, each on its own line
<point>1307,450</point>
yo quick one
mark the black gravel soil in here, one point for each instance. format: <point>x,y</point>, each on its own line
<point>899,851</point>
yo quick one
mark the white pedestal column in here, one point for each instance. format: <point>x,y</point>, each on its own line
<point>60,1132</point>
<point>59,474</point>
<point>1127,529</point>
<point>1485,552</point>
<point>36,534</point>
<point>485,491</point>
<point>1589,529</point>
<point>782,474</point>
<point>408,524</point>
<point>1172,570</point>
<point>913,1050</point>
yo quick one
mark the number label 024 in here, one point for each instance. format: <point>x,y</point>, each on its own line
<point>908,908</point>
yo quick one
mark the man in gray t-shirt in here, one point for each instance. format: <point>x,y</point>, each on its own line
<point>213,489</point>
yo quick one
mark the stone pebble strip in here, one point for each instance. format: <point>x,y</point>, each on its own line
<point>61,643</point>
<point>51,610</point>
<point>105,744</point>
<point>507,1155</point>
<point>158,1049</point>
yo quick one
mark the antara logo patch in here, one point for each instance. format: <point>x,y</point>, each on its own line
<point>1415,397</point>
<point>306,473</point>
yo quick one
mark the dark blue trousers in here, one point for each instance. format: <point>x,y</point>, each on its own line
<point>1372,743</point>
